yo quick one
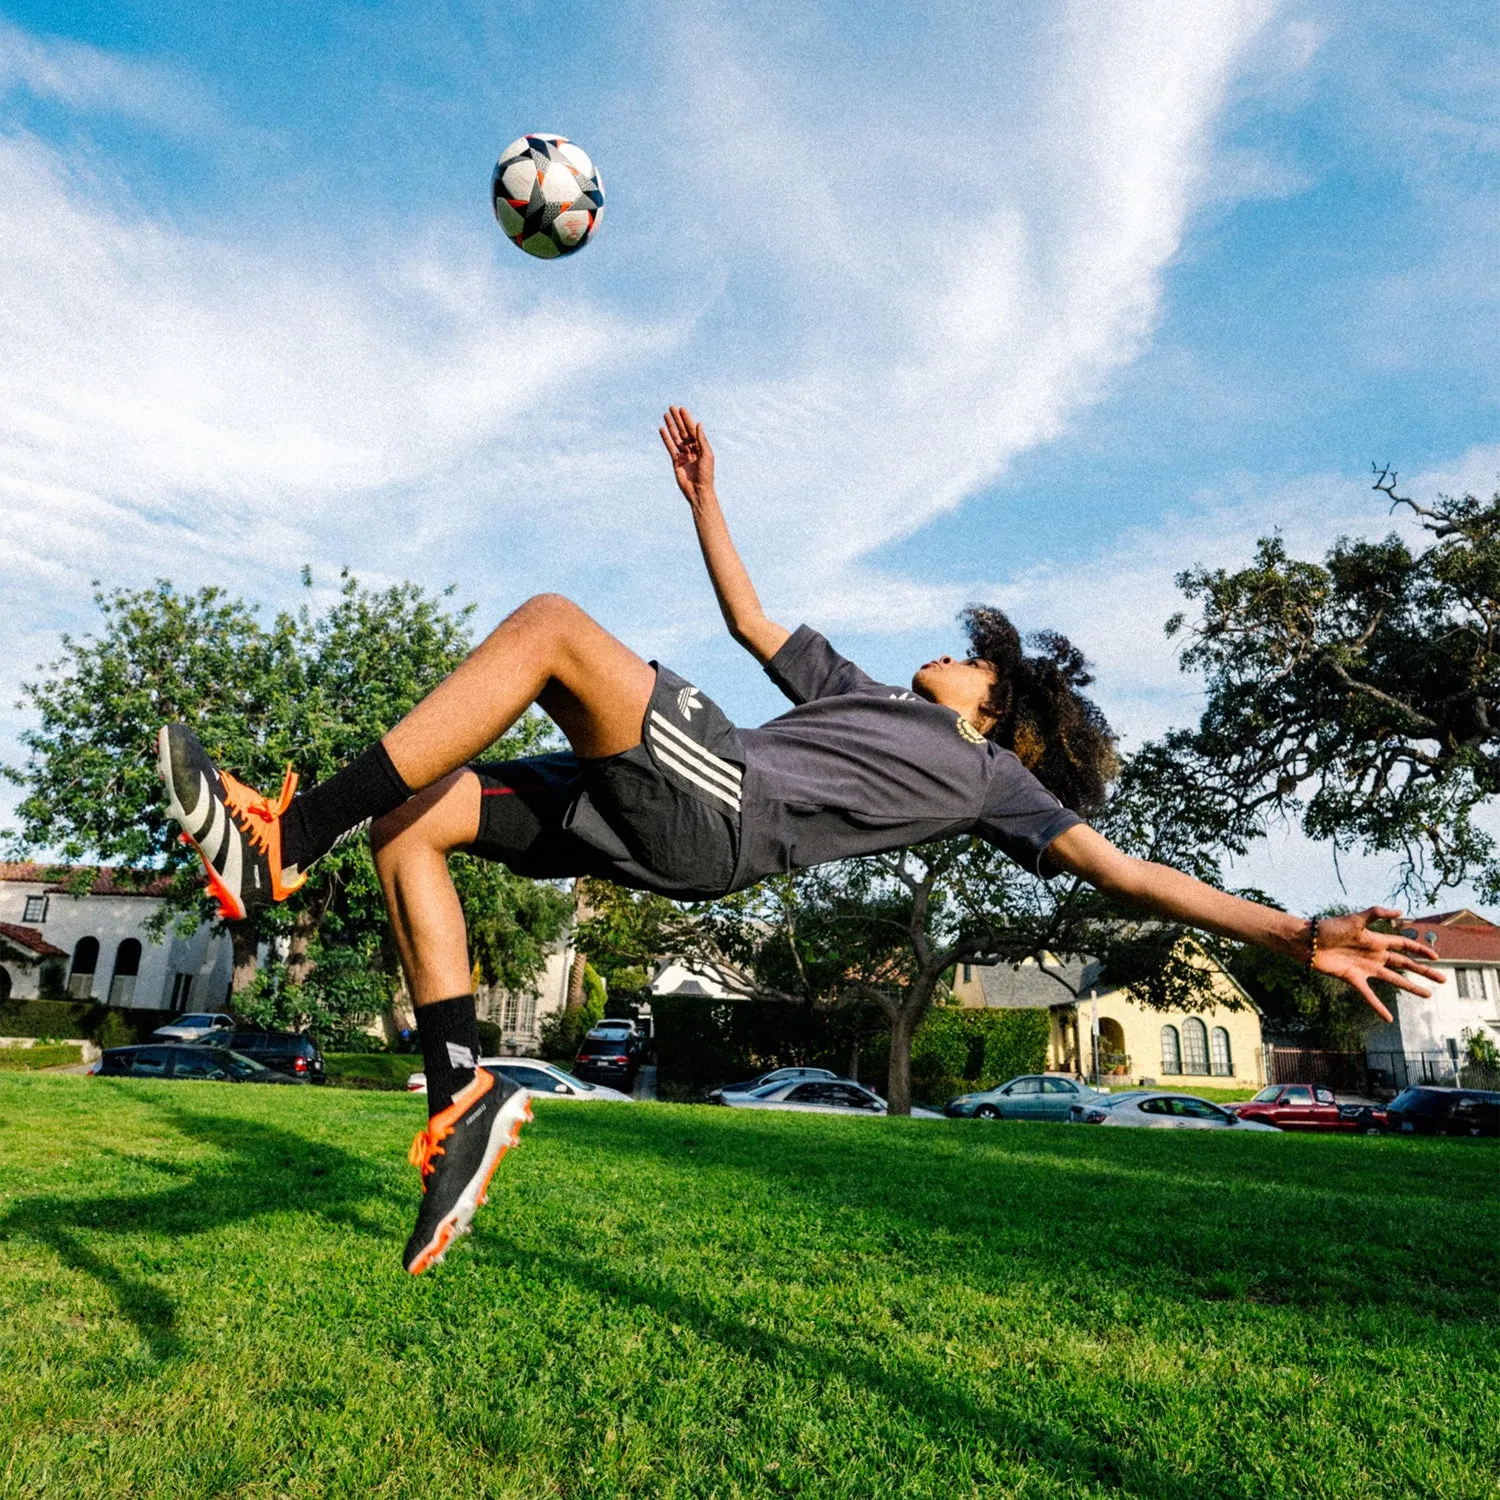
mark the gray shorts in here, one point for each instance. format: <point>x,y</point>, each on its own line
<point>662,816</point>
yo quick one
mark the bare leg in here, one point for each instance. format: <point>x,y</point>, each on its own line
<point>548,652</point>
<point>411,847</point>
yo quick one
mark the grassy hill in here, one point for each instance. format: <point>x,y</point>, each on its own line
<point>202,1296</point>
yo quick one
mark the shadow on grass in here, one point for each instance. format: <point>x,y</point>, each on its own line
<point>263,1169</point>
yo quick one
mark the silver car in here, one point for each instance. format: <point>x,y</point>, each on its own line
<point>776,1075</point>
<point>1149,1110</point>
<point>543,1080</point>
<point>1032,1096</point>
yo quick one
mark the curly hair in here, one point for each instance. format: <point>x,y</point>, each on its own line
<point>1040,713</point>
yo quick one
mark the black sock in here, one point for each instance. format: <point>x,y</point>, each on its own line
<point>369,787</point>
<point>449,1033</point>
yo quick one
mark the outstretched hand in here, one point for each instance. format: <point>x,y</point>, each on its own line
<point>692,458</point>
<point>1348,950</point>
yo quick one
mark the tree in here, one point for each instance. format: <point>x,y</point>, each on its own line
<point>1359,696</point>
<point>312,688</point>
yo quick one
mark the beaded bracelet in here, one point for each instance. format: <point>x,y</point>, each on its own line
<point>1312,934</point>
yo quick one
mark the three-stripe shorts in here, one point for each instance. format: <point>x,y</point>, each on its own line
<point>663,816</point>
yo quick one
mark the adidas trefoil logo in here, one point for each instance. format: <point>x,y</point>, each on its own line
<point>687,701</point>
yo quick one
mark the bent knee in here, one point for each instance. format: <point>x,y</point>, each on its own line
<point>442,818</point>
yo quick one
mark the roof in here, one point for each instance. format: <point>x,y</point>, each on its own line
<point>1033,987</point>
<point>29,937</point>
<point>107,880</point>
<point>1459,936</point>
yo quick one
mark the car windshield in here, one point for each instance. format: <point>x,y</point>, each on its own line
<point>564,1076</point>
<point>196,1020</point>
<point>1266,1095</point>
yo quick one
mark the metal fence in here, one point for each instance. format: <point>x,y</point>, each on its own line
<point>1376,1072</point>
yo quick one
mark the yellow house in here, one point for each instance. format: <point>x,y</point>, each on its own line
<point>1218,1046</point>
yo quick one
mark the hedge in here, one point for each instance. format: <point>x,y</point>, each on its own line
<point>702,1042</point>
<point>76,1018</point>
<point>44,1055</point>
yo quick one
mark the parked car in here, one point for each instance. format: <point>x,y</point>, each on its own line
<point>776,1075</point>
<point>1293,1106</point>
<point>543,1079</point>
<point>284,1051</point>
<point>186,1060</point>
<point>1032,1096</point>
<point>1430,1111</point>
<point>1155,1111</point>
<point>1365,1119</point>
<point>607,1060</point>
<point>826,1096</point>
<point>194,1027</point>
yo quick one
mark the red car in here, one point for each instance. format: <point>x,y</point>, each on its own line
<point>1294,1106</point>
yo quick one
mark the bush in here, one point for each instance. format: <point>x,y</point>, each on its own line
<point>113,1031</point>
<point>958,1050</point>
<point>344,992</point>
<point>489,1039</point>
<point>563,1030</point>
<point>78,1018</point>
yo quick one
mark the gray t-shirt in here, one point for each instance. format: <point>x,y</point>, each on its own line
<point>860,767</point>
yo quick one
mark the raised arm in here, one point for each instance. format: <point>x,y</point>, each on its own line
<point>1346,948</point>
<point>693,467</point>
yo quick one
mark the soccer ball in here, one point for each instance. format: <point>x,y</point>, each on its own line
<point>547,196</point>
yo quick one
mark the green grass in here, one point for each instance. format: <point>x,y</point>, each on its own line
<point>371,1070</point>
<point>202,1297</point>
<point>41,1055</point>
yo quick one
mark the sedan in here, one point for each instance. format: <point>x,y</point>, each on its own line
<point>1032,1096</point>
<point>212,1064</point>
<point>1152,1111</point>
<point>541,1079</point>
<point>776,1075</point>
<point>836,1096</point>
<point>193,1028</point>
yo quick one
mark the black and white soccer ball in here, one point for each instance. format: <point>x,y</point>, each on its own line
<point>547,195</point>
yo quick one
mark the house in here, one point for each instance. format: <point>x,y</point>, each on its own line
<point>98,945</point>
<point>1135,1043</point>
<point>1427,1037</point>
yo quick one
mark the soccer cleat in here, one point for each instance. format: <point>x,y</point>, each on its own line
<point>457,1155</point>
<point>235,829</point>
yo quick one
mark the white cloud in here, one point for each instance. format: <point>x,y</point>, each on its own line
<point>86,78</point>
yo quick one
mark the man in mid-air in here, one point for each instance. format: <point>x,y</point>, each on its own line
<point>661,792</point>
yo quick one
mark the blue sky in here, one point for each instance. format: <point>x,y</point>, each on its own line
<point>1037,303</point>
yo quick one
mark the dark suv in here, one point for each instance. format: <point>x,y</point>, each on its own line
<point>286,1052</point>
<point>611,1060</point>
<point>1445,1112</point>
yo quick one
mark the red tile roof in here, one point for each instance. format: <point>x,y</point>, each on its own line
<point>107,880</point>
<point>1461,936</point>
<point>29,937</point>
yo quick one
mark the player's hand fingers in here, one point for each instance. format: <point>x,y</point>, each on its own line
<point>674,426</point>
<point>682,428</point>
<point>1370,998</point>
<point>1400,982</point>
<point>667,443</point>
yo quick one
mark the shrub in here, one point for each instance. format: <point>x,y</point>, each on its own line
<point>489,1038</point>
<point>957,1050</point>
<point>113,1031</point>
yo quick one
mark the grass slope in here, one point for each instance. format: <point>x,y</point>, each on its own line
<point>203,1296</point>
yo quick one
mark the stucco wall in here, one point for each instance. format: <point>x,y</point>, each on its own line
<point>1142,1033</point>
<point>1429,1025</point>
<point>204,955</point>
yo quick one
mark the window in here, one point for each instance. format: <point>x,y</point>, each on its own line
<point>127,966</point>
<point>528,1016</point>
<point>182,990</point>
<point>85,961</point>
<point>1058,1086</point>
<point>149,1062</point>
<point>968,973</point>
<point>1197,1109</point>
<point>1155,1106</point>
<point>1218,1051</point>
<point>1025,1086</point>
<point>509,1012</point>
<point>36,909</point>
<point>195,1065</point>
<point>531,1078</point>
<point>1323,1096</point>
<point>1470,984</point>
<point>1194,1046</point>
<point>1171,1051</point>
<point>1297,1095</point>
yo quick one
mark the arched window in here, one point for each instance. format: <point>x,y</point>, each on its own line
<point>1194,1046</point>
<point>127,966</point>
<point>1219,1054</point>
<point>1171,1050</point>
<point>85,961</point>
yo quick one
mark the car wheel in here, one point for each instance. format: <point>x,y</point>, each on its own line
<point>1371,1129</point>
<point>986,1112</point>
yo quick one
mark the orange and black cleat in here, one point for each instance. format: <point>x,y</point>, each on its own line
<point>457,1155</point>
<point>235,829</point>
